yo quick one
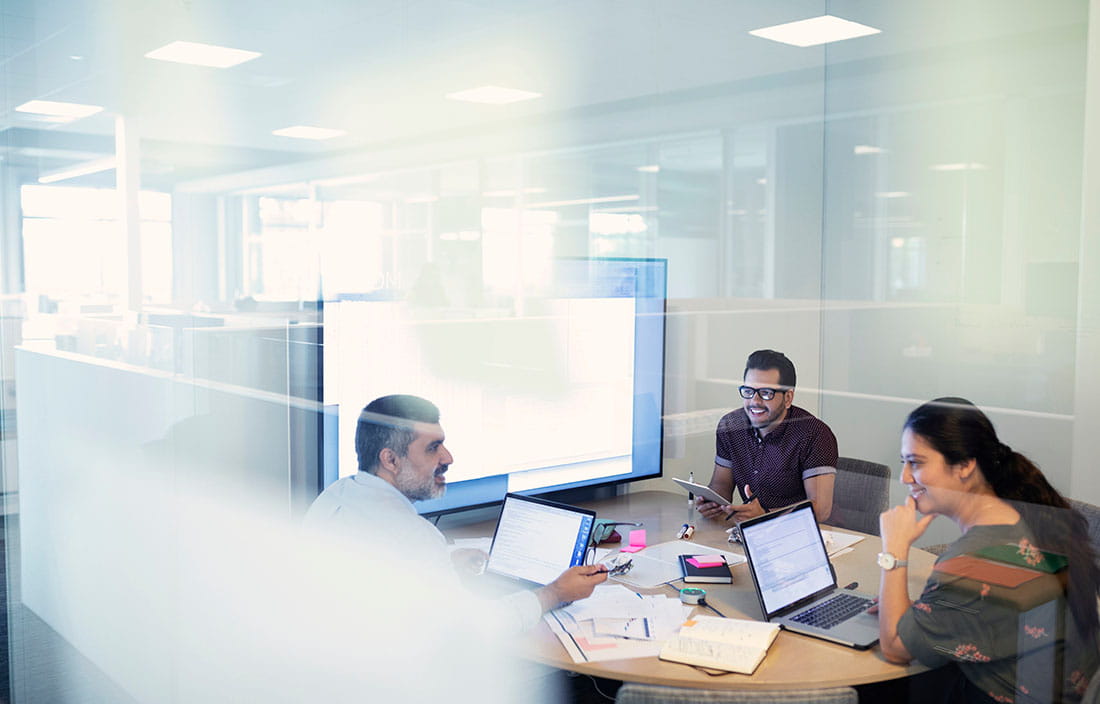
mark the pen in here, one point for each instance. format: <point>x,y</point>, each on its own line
<point>691,496</point>
<point>751,499</point>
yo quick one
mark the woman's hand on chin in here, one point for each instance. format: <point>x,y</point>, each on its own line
<point>900,527</point>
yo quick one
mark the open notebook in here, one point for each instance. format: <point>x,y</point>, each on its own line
<point>729,644</point>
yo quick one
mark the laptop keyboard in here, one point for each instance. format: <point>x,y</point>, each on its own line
<point>829,613</point>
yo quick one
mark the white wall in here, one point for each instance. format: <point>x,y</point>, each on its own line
<point>1086,441</point>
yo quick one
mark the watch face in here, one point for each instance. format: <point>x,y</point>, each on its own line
<point>887,561</point>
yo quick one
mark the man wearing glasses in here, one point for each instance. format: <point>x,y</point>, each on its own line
<point>772,452</point>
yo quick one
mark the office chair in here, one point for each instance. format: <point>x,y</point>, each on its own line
<point>631,693</point>
<point>861,493</point>
<point>1089,511</point>
<point>935,548</point>
<point>1092,693</point>
<point>1092,515</point>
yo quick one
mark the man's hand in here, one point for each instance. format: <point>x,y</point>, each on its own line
<point>573,584</point>
<point>710,509</point>
<point>469,560</point>
<point>749,509</point>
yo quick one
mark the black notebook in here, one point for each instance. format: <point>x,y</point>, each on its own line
<point>719,574</point>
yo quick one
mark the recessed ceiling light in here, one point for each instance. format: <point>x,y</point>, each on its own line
<point>867,149</point>
<point>58,112</point>
<point>892,194</point>
<point>649,168</point>
<point>493,95</point>
<point>198,54</point>
<point>971,166</point>
<point>306,132</point>
<point>814,31</point>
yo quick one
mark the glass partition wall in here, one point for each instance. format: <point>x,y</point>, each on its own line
<point>901,213</point>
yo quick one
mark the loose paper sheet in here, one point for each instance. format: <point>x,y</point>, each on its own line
<point>617,623</point>
<point>660,564</point>
<point>835,541</point>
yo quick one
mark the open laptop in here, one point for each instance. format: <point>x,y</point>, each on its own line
<point>536,540</point>
<point>796,583</point>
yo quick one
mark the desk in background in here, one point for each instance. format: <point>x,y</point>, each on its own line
<point>794,661</point>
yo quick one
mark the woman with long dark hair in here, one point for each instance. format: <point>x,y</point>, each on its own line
<point>1030,641</point>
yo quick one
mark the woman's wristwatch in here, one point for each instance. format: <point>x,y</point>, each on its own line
<point>887,561</point>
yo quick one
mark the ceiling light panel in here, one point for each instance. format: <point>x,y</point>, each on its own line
<point>493,95</point>
<point>307,132</point>
<point>814,31</point>
<point>58,112</point>
<point>197,54</point>
<point>961,166</point>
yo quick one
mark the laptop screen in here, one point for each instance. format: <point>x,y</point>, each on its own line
<point>787,556</point>
<point>536,540</point>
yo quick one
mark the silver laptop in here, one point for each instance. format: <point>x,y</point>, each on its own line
<point>796,583</point>
<point>536,540</point>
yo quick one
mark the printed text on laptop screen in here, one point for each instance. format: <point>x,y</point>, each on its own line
<point>789,559</point>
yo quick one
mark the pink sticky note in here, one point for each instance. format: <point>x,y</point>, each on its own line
<point>587,645</point>
<point>709,560</point>
<point>637,541</point>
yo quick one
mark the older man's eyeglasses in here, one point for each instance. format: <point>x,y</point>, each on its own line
<point>765,394</point>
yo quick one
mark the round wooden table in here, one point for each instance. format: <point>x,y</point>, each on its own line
<point>794,661</point>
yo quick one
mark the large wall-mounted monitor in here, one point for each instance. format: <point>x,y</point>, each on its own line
<point>560,390</point>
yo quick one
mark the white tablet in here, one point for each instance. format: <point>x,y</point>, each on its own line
<point>702,490</point>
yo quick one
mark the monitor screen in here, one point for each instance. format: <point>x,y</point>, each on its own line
<point>560,389</point>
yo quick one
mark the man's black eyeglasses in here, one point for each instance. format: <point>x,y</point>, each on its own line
<point>766,394</point>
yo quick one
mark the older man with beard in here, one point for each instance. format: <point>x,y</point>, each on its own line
<point>402,459</point>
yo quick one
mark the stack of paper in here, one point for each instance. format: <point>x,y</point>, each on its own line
<point>617,623</point>
<point>837,543</point>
